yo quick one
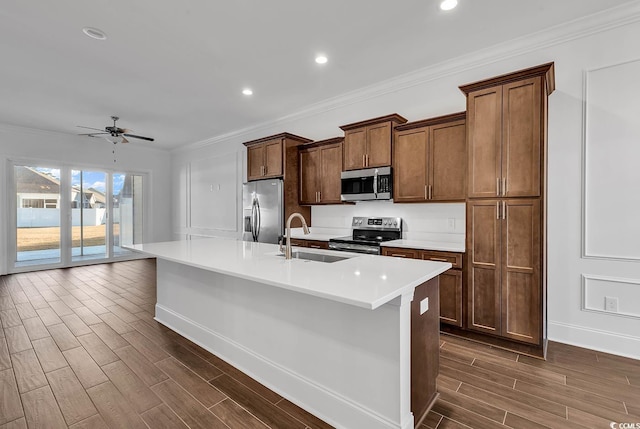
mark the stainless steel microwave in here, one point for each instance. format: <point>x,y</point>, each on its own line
<point>367,184</point>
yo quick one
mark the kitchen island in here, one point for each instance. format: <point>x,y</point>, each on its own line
<point>354,342</point>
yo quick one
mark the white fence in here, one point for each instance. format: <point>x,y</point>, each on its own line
<point>39,218</point>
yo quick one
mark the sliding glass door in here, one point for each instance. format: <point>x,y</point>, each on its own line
<point>66,215</point>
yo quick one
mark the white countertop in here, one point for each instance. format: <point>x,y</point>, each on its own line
<point>367,281</point>
<point>426,245</point>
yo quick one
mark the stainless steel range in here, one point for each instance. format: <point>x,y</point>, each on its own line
<point>368,233</point>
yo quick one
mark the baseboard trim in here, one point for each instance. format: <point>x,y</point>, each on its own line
<point>595,339</point>
<point>281,380</point>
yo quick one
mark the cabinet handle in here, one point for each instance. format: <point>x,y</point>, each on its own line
<point>425,192</point>
<point>399,255</point>
<point>265,170</point>
<point>367,158</point>
<point>504,209</point>
<point>498,210</point>
<point>314,246</point>
<point>497,187</point>
<point>430,192</point>
<point>438,259</point>
<point>364,162</point>
<point>319,196</point>
<point>504,186</point>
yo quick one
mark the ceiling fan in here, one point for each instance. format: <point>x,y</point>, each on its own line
<point>113,133</point>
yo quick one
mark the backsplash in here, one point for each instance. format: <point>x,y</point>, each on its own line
<point>443,222</point>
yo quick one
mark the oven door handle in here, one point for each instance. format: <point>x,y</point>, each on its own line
<point>375,183</point>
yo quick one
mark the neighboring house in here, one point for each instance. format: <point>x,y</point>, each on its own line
<point>36,190</point>
<point>91,198</point>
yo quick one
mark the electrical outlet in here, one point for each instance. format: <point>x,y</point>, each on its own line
<point>424,305</point>
<point>611,304</point>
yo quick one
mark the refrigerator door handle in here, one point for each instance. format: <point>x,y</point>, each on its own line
<point>253,220</point>
<point>258,219</point>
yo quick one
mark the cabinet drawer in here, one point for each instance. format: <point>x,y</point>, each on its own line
<point>454,258</point>
<point>312,244</point>
<point>401,252</point>
<point>299,243</point>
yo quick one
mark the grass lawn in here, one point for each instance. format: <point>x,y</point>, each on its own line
<point>49,238</point>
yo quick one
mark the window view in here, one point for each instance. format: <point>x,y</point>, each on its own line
<point>38,214</point>
<point>104,210</point>
<point>88,214</point>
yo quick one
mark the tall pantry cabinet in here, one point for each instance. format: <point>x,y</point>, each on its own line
<point>506,208</point>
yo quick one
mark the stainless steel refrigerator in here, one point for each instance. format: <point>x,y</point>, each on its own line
<point>263,210</point>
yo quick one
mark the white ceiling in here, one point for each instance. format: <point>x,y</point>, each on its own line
<point>174,70</point>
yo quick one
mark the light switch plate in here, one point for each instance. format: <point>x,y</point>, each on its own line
<point>424,305</point>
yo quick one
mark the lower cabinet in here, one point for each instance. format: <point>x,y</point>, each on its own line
<point>450,280</point>
<point>312,244</point>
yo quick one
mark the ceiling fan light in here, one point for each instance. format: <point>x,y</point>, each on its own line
<point>448,4</point>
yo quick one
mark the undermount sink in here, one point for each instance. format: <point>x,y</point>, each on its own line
<point>318,257</point>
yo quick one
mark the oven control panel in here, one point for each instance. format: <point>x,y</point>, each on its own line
<point>378,223</point>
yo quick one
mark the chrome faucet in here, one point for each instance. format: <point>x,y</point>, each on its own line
<point>287,234</point>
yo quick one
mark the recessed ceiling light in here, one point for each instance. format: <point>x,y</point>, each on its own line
<point>448,4</point>
<point>94,33</point>
<point>247,91</point>
<point>321,59</point>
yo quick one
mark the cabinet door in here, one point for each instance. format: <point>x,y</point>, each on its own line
<point>354,149</point>
<point>521,268</point>
<point>309,169</point>
<point>401,252</point>
<point>483,244</point>
<point>451,297</point>
<point>379,145</point>
<point>329,184</point>
<point>255,162</point>
<point>410,165</point>
<point>484,122</point>
<point>521,134</point>
<point>448,161</point>
<point>273,158</point>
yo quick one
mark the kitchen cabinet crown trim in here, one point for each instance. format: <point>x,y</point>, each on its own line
<point>333,140</point>
<point>287,136</point>
<point>547,70</point>
<point>459,116</point>
<point>394,117</point>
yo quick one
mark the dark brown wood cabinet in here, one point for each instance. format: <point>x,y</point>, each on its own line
<point>312,244</point>
<point>451,281</point>
<point>429,160</point>
<point>320,168</point>
<point>277,156</point>
<point>506,281</point>
<point>367,144</point>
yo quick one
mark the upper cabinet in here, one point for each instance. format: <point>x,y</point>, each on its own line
<point>367,144</point>
<point>429,160</point>
<point>506,126</point>
<point>266,157</point>
<point>320,168</point>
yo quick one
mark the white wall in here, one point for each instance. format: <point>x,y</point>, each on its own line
<point>44,147</point>
<point>598,41</point>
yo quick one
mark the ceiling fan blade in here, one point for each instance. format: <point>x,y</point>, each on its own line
<point>139,137</point>
<point>89,128</point>
<point>92,134</point>
<point>124,140</point>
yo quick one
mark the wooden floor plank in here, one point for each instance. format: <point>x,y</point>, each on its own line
<point>192,412</point>
<point>162,417</point>
<point>431,421</point>
<point>115,323</point>
<point>71,396</point>
<point>93,422</point>
<point>20,423</point>
<point>26,311</point>
<point>29,374</point>
<point>85,368</point>
<point>148,372</point>
<point>63,337</point>
<point>5,360</point>
<point>111,338</point>
<point>76,325</point>
<point>97,349</point>
<point>479,407</point>
<point>195,363</point>
<point>234,416</point>
<point>10,317</point>
<point>465,416</point>
<point>60,308</point>
<point>188,380</point>
<point>132,388</point>
<point>35,328</point>
<point>309,419</point>
<point>17,339</point>
<point>41,409</point>
<point>145,346</point>
<point>255,404</point>
<point>87,315</point>
<point>114,408</point>
<point>10,403</point>
<point>49,354</point>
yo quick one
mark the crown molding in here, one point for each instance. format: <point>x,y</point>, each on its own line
<point>624,14</point>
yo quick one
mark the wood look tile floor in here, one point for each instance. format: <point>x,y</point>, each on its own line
<point>79,349</point>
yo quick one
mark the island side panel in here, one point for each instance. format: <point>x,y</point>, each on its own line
<point>348,365</point>
<point>425,348</point>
